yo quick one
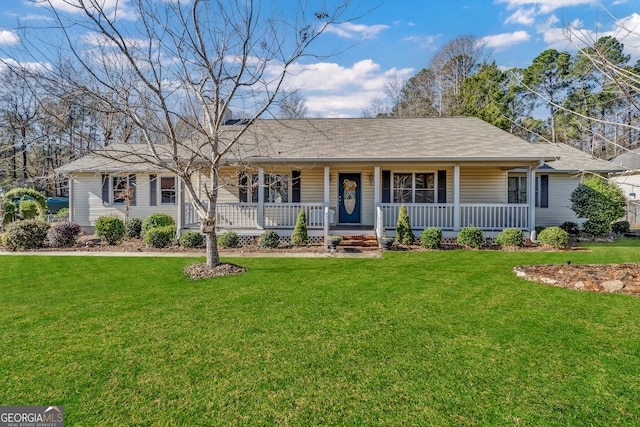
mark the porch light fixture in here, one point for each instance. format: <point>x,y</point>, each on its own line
<point>370,178</point>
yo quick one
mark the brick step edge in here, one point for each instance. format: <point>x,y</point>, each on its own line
<point>368,243</point>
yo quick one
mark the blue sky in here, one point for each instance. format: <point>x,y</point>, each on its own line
<point>394,39</point>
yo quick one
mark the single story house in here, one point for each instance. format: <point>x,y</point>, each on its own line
<point>352,176</point>
<point>629,182</point>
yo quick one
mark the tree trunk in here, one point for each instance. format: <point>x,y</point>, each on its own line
<point>213,258</point>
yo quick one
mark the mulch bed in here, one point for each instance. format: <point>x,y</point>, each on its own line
<point>203,271</point>
<point>616,278</point>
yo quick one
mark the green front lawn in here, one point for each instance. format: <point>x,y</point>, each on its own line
<point>431,338</point>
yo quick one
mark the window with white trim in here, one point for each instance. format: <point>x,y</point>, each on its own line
<point>123,187</point>
<point>168,190</point>
<point>418,187</point>
<point>276,188</point>
<point>517,189</point>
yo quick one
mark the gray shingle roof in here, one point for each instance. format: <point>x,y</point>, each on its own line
<point>412,139</point>
<point>570,159</point>
<point>629,160</point>
<point>452,139</point>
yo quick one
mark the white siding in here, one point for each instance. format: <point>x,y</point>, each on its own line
<point>482,185</point>
<point>560,188</point>
<point>88,205</point>
<point>630,185</point>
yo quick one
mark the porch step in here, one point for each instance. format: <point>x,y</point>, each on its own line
<point>358,242</point>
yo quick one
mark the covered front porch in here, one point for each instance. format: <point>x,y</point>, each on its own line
<point>377,216</point>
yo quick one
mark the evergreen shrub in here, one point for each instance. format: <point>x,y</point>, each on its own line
<point>431,238</point>
<point>510,237</point>
<point>64,234</point>
<point>160,237</point>
<point>470,237</point>
<point>27,234</point>
<point>555,237</point>
<point>191,239</point>
<point>229,239</point>
<point>300,235</point>
<point>269,239</point>
<point>110,229</point>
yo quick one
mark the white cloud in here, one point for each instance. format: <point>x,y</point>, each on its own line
<point>574,35</point>
<point>332,90</point>
<point>111,8</point>
<point>31,66</point>
<point>424,42</point>
<point>500,41</point>
<point>8,38</point>
<point>544,6</point>
<point>350,30</point>
<point>522,16</point>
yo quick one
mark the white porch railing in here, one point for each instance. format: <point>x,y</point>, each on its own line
<point>284,215</point>
<point>228,215</point>
<point>420,215</point>
<point>245,215</point>
<point>495,216</point>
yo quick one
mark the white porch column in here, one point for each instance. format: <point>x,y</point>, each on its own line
<point>376,196</point>
<point>531,190</point>
<point>327,187</point>
<point>261,197</point>
<point>456,197</point>
<point>72,211</point>
<point>180,202</point>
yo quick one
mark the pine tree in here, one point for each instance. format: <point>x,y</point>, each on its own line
<point>404,234</point>
<point>300,235</point>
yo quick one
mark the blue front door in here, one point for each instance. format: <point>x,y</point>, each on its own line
<point>349,200</point>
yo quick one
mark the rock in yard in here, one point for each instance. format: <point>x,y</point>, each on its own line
<point>612,285</point>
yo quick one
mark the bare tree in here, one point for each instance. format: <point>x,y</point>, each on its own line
<point>166,66</point>
<point>291,105</point>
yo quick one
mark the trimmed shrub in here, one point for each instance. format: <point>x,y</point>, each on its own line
<point>600,202</point>
<point>21,193</point>
<point>404,234</point>
<point>621,227</point>
<point>9,212</point>
<point>160,237</point>
<point>156,220</point>
<point>300,236</point>
<point>595,228</point>
<point>555,237</point>
<point>110,229</point>
<point>191,239</point>
<point>64,234</point>
<point>269,239</point>
<point>431,238</point>
<point>61,215</point>
<point>29,209</point>
<point>27,234</point>
<point>570,227</point>
<point>470,237</point>
<point>133,228</point>
<point>510,237</point>
<point>229,239</point>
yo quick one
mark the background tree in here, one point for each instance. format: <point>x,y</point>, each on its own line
<point>548,75</point>
<point>437,90</point>
<point>163,66</point>
<point>486,95</point>
<point>291,105</point>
